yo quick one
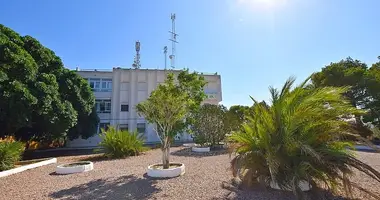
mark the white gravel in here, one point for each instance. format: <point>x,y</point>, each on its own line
<point>206,177</point>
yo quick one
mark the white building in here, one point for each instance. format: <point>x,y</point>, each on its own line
<point>117,92</point>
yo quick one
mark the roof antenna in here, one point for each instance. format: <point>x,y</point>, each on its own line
<point>136,63</point>
<point>174,41</point>
<point>165,53</point>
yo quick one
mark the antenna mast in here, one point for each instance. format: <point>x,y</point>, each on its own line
<point>136,63</point>
<point>165,53</point>
<point>174,41</point>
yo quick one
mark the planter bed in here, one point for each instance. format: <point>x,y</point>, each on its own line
<point>25,165</point>
<point>200,149</point>
<point>76,167</point>
<point>157,171</point>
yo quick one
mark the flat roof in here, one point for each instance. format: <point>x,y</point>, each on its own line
<point>142,69</point>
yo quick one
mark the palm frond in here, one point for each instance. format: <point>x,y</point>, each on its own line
<point>300,137</point>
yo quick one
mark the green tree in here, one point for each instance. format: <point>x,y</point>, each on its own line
<point>171,107</point>
<point>298,138</point>
<point>236,116</point>
<point>239,111</point>
<point>37,94</point>
<point>373,89</point>
<point>347,73</point>
<point>86,127</point>
<point>211,125</point>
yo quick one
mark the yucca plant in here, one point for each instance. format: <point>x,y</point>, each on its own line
<point>300,137</point>
<point>120,144</point>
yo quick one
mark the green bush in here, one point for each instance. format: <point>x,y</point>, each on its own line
<point>298,138</point>
<point>210,126</point>
<point>201,139</point>
<point>120,144</point>
<point>10,153</point>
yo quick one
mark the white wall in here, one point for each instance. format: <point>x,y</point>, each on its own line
<point>131,86</point>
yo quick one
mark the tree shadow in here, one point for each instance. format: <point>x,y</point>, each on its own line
<point>96,158</point>
<point>235,192</point>
<point>186,152</point>
<point>125,187</point>
<point>55,153</point>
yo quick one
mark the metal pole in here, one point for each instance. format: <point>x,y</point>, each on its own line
<point>165,52</point>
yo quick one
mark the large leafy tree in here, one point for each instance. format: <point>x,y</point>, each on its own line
<point>172,107</point>
<point>38,96</point>
<point>348,73</point>
<point>298,138</point>
<point>210,126</point>
<point>373,89</point>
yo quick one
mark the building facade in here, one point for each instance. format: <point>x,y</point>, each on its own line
<point>117,93</point>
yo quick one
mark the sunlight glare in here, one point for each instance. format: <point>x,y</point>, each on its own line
<point>262,3</point>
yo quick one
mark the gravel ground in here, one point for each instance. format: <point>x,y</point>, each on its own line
<point>207,177</point>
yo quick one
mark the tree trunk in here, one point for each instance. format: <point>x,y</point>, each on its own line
<point>165,153</point>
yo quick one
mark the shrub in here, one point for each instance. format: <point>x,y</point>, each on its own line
<point>201,139</point>
<point>120,144</point>
<point>10,152</point>
<point>297,139</point>
<point>210,125</point>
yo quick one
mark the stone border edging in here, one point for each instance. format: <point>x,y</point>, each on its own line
<point>200,149</point>
<point>85,167</point>
<point>26,167</point>
<point>166,173</point>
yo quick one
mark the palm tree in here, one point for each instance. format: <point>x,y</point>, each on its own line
<point>298,138</point>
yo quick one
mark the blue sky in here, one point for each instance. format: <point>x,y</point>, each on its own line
<point>251,43</point>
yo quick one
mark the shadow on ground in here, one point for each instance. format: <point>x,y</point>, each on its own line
<point>234,192</point>
<point>125,187</point>
<point>55,153</point>
<point>188,153</point>
<point>96,158</point>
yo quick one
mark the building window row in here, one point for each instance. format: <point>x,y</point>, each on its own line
<point>103,106</point>
<point>100,84</point>
<point>141,128</point>
<point>211,95</point>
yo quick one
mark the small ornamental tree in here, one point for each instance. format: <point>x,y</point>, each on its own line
<point>172,106</point>
<point>210,126</point>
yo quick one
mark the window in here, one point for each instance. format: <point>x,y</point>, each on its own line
<point>123,127</point>
<point>108,106</point>
<point>211,94</point>
<point>103,126</point>
<point>103,106</point>
<point>97,85</point>
<point>124,108</point>
<point>100,85</point>
<point>141,128</point>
